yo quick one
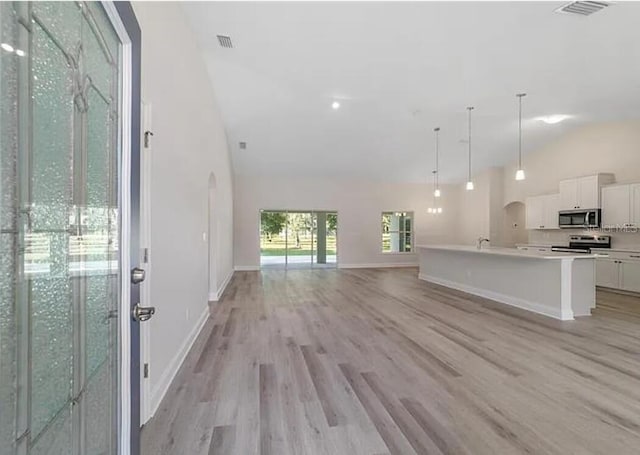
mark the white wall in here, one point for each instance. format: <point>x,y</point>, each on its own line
<point>188,144</point>
<point>476,211</point>
<point>359,205</point>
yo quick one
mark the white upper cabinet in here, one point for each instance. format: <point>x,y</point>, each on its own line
<point>621,206</point>
<point>568,194</point>
<point>534,212</point>
<point>589,192</point>
<point>542,212</point>
<point>582,192</point>
<point>635,204</point>
<point>616,206</point>
<point>551,209</point>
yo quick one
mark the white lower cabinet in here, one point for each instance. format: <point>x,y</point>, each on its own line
<point>619,271</point>
<point>630,275</point>
<point>607,273</point>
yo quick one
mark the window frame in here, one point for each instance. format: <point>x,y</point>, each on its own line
<point>407,214</point>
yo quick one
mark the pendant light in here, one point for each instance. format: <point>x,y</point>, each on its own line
<point>436,191</point>
<point>469,181</point>
<point>435,210</point>
<point>520,171</point>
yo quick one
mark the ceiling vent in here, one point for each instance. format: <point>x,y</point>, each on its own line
<point>225,41</point>
<point>582,8</point>
<point>242,145</point>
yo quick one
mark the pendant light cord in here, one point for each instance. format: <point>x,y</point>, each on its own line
<point>520,95</point>
<point>470,108</point>
<point>437,171</point>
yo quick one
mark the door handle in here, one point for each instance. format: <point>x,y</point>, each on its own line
<point>137,275</point>
<point>143,313</point>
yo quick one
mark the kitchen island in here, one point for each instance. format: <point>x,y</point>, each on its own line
<point>559,285</point>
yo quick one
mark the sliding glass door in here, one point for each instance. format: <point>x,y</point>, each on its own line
<point>298,238</point>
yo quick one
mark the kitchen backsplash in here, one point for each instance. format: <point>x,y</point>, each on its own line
<point>561,237</point>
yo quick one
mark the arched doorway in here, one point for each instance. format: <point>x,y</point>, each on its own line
<point>514,230</point>
<point>213,238</point>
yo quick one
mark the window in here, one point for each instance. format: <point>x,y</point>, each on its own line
<point>397,232</point>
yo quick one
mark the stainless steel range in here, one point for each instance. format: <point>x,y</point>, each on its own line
<point>584,243</point>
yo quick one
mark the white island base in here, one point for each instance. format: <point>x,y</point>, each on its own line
<point>558,285</point>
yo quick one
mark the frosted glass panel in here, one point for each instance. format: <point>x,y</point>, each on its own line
<point>98,59</point>
<point>8,227</point>
<point>62,19</point>
<point>99,411</point>
<point>53,110</point>
<point>51,338</point>
<point>57,440</point>
<point>98,147</point>
<point>47,242</point>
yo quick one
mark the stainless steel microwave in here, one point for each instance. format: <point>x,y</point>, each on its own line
<point>579,219</point>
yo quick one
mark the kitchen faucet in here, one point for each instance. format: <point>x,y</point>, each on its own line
<point>481,240</point>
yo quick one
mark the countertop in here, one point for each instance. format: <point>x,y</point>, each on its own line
<point>511,252</point>
<point>631,249</point>
<point>534,245</point>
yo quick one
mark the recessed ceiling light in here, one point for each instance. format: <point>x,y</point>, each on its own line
<point>335,105</point>
<point>552,119</point>
<point>19,52</point>
<point>7,47</point>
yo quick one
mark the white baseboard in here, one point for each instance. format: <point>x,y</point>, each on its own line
<point>378,265</point>
<point>214,297</point>
<point>508,300</point>
<point>158,392</point>
<point>247,268</point>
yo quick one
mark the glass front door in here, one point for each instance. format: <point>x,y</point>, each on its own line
<point>59,215</point>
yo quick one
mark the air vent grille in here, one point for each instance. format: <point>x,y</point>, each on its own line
<point>242,145</point>
<point>582,8</point>
<point>225,41</point>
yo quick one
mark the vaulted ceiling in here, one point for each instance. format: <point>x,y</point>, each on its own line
<point>399,69</point>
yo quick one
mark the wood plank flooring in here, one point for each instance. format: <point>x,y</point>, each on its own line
<point>375,361</point>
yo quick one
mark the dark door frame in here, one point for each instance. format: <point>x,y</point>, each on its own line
<point>128,18</point>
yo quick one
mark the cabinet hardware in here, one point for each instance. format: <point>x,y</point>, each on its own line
<point>634,256</point>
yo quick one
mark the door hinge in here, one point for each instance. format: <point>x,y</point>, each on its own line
<point>147,134</point>
<point>145,372</point>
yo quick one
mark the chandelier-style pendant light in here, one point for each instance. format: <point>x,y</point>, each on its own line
<point>520,171</point>
<point>469,181</point>
<point>435,209</point>
<point>436,191</point>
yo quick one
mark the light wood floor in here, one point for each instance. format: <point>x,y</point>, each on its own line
<point>377,362</point>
